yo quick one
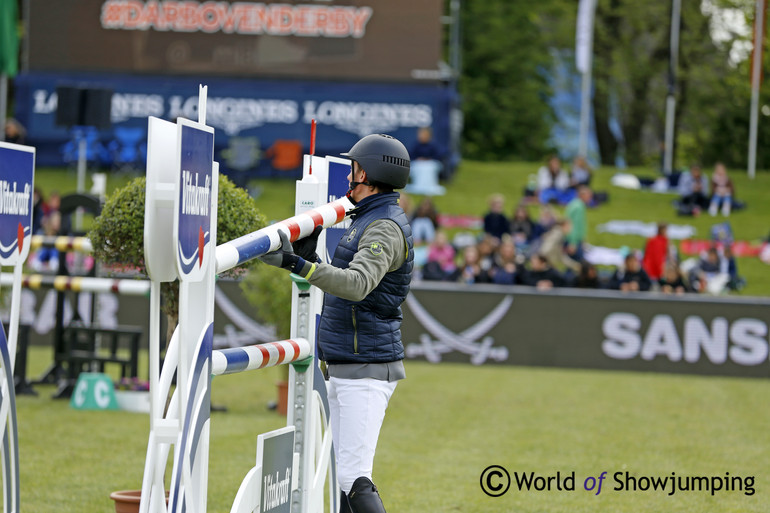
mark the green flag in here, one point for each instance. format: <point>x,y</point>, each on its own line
<point>9,38</point>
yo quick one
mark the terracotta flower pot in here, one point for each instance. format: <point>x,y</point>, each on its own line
<point>127,501</point>
<point>283,397</point>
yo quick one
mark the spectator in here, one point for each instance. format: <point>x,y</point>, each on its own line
<point>632,277</point>
<point>655,254</point>
<point>495,223</point>
<point>522,227</point>
<point>672,281</point>
<point>730,266</point>
<point>722,191</point>
<point>541,274</point>
<point>504,270</point>
<point>581,172</point>
<point>14,131</point>
<point>553,183</point>
<point>425,149</point>
<point>424,222</point>
<point>552,247</point>
<point>441,259</point>
<point>487,247</point>
<point>576,213</point>
<point>710,274</point>
<point>588,278</point>
<point>693,187</point>
<point>470,270</point>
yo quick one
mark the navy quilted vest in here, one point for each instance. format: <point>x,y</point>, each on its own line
<point>367,331</point>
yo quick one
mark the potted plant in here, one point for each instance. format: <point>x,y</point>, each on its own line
<point>117,235</point>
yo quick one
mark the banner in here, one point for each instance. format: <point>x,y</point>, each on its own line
<point>486,324</point>
<point>259,113</point>
<point>335,39</point>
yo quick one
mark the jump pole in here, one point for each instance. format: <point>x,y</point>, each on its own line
<point>178,176</point>
<point>17,177</point>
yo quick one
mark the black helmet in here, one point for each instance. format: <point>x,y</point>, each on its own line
<point>384,159</point>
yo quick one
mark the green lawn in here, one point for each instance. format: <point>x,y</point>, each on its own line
<point>445,424</point>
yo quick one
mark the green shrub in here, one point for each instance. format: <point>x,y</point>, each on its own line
<point>117,234</point>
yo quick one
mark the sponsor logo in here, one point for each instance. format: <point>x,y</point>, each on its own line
<point>466,342</point>
<point>742,341</point>
<point>363,118</point>
<point>234,115</point>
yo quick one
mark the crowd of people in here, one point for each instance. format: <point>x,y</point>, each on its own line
<point>550,251</point>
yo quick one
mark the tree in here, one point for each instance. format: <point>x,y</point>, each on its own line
<point>504,89</point>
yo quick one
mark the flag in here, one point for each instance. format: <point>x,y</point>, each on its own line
<point>758,38</point>
<point>584,35</point>
<point>9,38</point>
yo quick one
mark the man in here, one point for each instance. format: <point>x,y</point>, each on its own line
<point>359,336</point>
<point>576,212</point>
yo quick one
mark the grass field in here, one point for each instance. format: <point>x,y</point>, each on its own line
<point>445,424</point>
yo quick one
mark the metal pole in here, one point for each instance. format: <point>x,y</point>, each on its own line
<point>759,30</point>
<point>3,103</point>
<point>584,43</point>
<point>668,150</point>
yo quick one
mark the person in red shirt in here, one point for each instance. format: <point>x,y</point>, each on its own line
<point>655,253</point>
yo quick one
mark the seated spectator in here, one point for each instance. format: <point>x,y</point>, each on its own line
<point>655,253</point>
<point>425,149</point>
<point>553,247</point>
<point>672,281</point>
<point>441,259</point>
<point>632,277</point>
<point>487,247</point>
<point>553,183</point>
<point>424,222</point>
<point>710,274</point>
<point>588,278</point>
<point>722,191</point>
<point>495,223</point>
<point>693,189</point>
<point>469,270</point>
<point>730,266</point>
<point>541,275</point>
<point>580,173</point>
<point>504,270</point>
<point>522,227</point>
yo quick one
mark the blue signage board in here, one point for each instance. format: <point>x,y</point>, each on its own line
<point>17,175</point>
<point>192,223</point>
<point>263,126</point>
<point>339,185</point>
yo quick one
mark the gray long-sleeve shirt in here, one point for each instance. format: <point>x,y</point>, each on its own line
<point>382,248</point>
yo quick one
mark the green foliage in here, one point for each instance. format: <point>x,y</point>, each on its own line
<point>118,233</point>
<point>268,289</point>
<point>504,90</point>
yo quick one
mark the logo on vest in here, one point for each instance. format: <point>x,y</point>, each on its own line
<point>352,235</point>
<point>376,248</point>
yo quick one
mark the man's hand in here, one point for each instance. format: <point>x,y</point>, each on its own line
<point>284,256</point>
<point>306,248</point>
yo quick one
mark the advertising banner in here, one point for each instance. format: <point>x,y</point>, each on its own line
<point>257,121</point>
<point>587,329</point>
<point>334,39</point>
